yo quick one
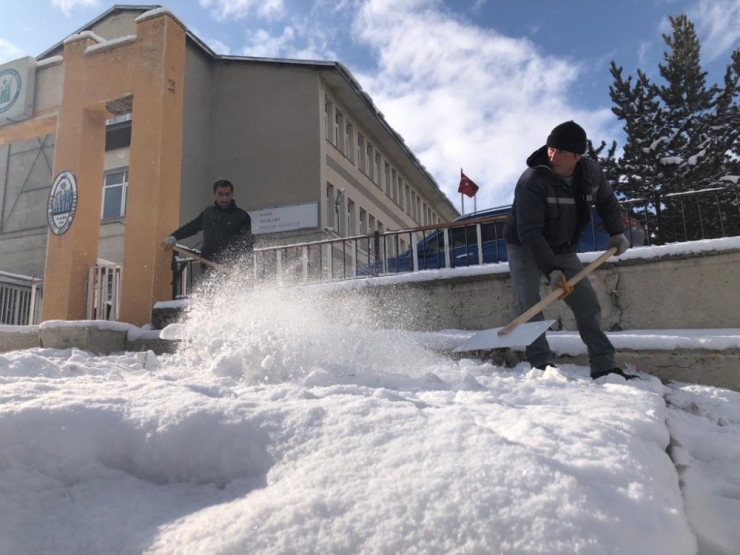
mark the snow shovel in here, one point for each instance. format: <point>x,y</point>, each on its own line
<point>187,252</point>
<point>518,333</point>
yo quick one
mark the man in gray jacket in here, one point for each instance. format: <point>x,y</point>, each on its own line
<point>552,206</point>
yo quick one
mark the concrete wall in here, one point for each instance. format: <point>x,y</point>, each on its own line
<point>47,93</point>
<point>195,188</point>
<point>675,292</point>
<point>265,132</point>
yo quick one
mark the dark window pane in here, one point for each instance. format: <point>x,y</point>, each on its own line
<point>118,136</point>
<point>115,178</point>
<point>112,202</point>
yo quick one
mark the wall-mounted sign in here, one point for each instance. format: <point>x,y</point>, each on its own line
<point>17,81</point>
<point>285,218</point>
<point>60,210</point>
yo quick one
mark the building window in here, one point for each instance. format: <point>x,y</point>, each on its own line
<point>361,152</point>
<point>330,206</point>
<point>115,185</point>
<point>328,118</point>
<point>369,161</point>
<point>388,179</point>
<point>349,140</point>
<point>408,199</point>
<point>394,185</point>
<point>339,130</point>
<point>340,208</point>
<point>371,224</point>
<point>351,225</point>
<point>118,132</point>
<point>363,222</point>
<point>378,168</point>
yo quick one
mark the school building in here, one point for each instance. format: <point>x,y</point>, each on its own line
<point>112,138</point>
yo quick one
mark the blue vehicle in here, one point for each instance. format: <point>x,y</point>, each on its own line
<point>463,241</point>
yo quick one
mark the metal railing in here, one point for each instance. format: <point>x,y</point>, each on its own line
<point>182,275</point>
<point>688,216</point>
<point>104,292</point>
<point>20,299</point>
<point>358,256</point>
<point>678,217</point>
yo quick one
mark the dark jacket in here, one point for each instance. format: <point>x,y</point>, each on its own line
<point>549,216</point>
<point>226,233</point>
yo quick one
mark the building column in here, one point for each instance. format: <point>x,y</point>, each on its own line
<point>153,208</point>
<point>80,149</point>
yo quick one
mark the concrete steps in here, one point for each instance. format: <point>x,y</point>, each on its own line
<point>712,359</point>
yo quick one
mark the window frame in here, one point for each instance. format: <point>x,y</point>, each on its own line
<point>124,192</point>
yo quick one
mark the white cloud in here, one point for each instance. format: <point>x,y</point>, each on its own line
<point>239,9</point>
<point>68,5</point>
<point>9,51</point>
<point>718,25</point>
<point>262,44</point>
<point>218,47</point>
<point>644,49</point>
<point>462,96</point>
<point>297,41</point>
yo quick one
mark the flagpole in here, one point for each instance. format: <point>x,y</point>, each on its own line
<point>469,188</point>
<point>462,199</point>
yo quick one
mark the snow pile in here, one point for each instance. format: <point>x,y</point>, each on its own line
<point>705,428</point>
<point>114,458</point>
<point>290,422</point>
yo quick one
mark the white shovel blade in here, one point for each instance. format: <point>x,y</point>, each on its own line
<point>521,336</point>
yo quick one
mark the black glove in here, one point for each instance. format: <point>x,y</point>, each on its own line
<point>619,241</point>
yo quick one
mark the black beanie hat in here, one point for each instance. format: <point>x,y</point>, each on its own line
<point>568,136</point>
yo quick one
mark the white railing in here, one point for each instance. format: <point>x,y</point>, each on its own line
<point>20,299</point>
<point>104,292</point>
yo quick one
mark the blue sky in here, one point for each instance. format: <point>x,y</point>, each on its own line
<point>475,84</point>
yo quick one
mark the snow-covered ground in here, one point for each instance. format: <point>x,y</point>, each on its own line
<point>282,426</point>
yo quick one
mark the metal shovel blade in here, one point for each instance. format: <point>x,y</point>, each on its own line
<point>521,336</point>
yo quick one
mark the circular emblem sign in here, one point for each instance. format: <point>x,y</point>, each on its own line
<point>10,88</point>
<point>60,210</point>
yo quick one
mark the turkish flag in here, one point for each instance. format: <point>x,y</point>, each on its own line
<point>467,187</point>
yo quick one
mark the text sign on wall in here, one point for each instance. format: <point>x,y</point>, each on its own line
<point>17,81</point>
<point>285,218</point>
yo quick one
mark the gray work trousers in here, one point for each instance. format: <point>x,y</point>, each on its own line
<point>526,279</point>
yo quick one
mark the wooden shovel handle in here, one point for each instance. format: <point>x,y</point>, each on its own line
<point>191,254</point>
<point>556,293</point>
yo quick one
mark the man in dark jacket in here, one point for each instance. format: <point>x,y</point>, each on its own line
<point>552,206</point>
<point>227,229</point>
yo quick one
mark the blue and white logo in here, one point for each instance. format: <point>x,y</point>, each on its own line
<point>10,88</point>
<point>62,205</point>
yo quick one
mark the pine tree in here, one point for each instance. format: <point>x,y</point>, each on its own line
<point>680,136</point>
<point>639,107</point>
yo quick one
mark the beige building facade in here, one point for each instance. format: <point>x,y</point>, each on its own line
<point>137,117</point>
